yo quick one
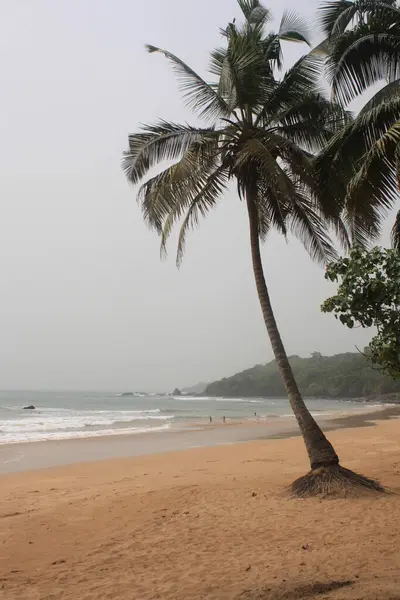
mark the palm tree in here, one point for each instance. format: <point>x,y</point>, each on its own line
<point>261,134</point>
<point>363,46</point>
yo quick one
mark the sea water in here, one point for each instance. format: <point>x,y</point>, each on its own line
<point>68,415</point>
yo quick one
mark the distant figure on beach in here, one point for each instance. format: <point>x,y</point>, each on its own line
<point>224,419</point>
<point>210,419</point>
<point>255,414</point>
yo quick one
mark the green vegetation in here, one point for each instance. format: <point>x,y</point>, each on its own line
<point>369,296</point>
<point>348,375</point>
<point>360,166</point>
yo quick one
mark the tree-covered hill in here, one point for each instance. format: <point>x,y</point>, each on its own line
<point>346,375</point>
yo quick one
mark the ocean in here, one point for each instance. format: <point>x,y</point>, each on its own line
<point>69,415</point>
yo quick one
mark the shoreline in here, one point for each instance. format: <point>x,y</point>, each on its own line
<point>29,456</point>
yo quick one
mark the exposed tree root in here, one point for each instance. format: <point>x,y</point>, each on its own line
<point>333,480</point>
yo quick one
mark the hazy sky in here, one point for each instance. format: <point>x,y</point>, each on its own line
<point>85,301</point>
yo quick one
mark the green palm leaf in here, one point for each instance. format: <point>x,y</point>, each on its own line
<point>271,211</point>
<point>159,142</point>
<point>199,95</point>
<point>307,224</point>
<point>171,190</point>
<point>254,13</point>
<point>358,168</point>
<point>336,15</point>
<point>200,205</point>
<point>363,62</point>
<point>311,122</point>
<point>248,7</point>
<point>303,78</point>
<point>294,28</point>
<point>374,187</point>
<point>389,92</point>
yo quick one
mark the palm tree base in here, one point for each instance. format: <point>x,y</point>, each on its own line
<point>333,480</point>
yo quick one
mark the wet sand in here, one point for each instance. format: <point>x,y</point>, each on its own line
<point>204,524</point>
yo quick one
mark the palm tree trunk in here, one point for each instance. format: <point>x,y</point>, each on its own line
<point>320,450</point>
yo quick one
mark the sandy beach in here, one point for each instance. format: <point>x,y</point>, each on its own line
<point>204,523</point>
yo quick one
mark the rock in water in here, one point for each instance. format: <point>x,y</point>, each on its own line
<point>30,407</point>
<point>177,392</point>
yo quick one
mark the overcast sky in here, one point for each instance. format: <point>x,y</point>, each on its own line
<point>85,301</point>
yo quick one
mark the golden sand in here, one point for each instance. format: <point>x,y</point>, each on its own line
<point>209,523</point>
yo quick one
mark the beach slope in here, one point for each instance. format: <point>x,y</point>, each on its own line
<point>208,523</point>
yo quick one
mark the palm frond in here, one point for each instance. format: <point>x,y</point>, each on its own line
<point>254,12</point>
<point>357,169</point>
<point>159,142</point>
<point>308,226</point>
<point>260,16</point>
<point>358,61</point>
<point>271,208</point>
<point>322,49</point>
<point>302,79</point>
<point>217,60</point>
<point>248,7</point>
<point>244,71</point>
<point>200,205</point>
<point>294,28</point>
<point>220,66</point>
<point>312,121</point>
<point>172,188</point>
<point>199,95</point>
<point>272,49</point>
<point>336,15</point>
<point>350,144</point>
<point>389,92</point>
<point>255,156</point>
<point>374,188</point>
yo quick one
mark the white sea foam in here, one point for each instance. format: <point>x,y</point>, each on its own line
<point>21,437</point>
<point>59,423</point>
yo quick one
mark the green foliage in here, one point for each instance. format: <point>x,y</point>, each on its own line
<point>264,126</point>
<point>360,168</point>
<point>348,375</point>
<point>369,296</point>
<point>364,44</point>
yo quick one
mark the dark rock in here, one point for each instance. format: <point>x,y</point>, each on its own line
<point>177,392</point>
<point>30,407</point>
